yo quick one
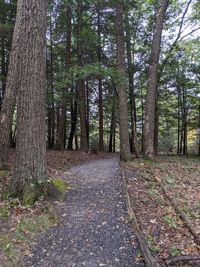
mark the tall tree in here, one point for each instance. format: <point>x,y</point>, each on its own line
<point>29,179</point>
<point>62,118</point>
<point>130,58</point>
<point>122,84</point>
<point>149,127</point>
<point>99,54</point>
<point>81,86</point>
<point>12,84</point>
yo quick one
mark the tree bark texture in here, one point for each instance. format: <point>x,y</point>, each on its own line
<point>112,126</point>
<point>99,54</point>
<point>50,95</point>
<point>133,140</point>
<point>81,87</point>
<point>73,123</point>
<point>30,174</point>
<point>12,85</point>
<point>62,119</point>
<point>149,128</point>
<point>122,85</point>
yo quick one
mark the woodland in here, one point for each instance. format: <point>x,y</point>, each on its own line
<point>83,80</point>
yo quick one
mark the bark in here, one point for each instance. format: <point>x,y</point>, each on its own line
<point>51,105</point>
<point>122,85</point>
<point>62,120</point>
<point>184,123</point>
<point>99,52</point>
<point>112,126</point>
<point>199,131</point>
<point>142,106</point>
<point>179,116</point>
<point>30,177</point>
<point>3,69</point>
<point>133,140</point>
<point>73,123</point>
<point>183,258</point>
<point>81,87</point>
<point>88,111</point>
<point>149,128</point>
<point>12,85</point>
<point>101,130</point>
<point>156,128</point>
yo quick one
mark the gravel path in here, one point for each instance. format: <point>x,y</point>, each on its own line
<point>93,231</point>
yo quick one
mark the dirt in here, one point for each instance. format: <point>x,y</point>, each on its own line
<point>165,232</point>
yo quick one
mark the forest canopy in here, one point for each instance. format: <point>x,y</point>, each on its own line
<point>117,75</point>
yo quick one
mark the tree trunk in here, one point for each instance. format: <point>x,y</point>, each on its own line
<point>199,132</point>
<point>30,177</point>
<point>122,85</point>
<point>149,128</point>
<point>74,114</point>
<point>179,115</point>
<point>133,138</point>
<point>81,87</point>
<point>50,99</point>
<point>3,69</point>
<point>156,128</point>
<point>60,139</point>
<point>12,85</point>
<point>99,52</point>
<point>88,110</point>
<point>112,126</point>
<point>184,123</point>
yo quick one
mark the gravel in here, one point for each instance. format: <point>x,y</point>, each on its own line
<point>93,231</point>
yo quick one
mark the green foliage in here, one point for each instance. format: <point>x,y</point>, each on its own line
<point>154,246</point>
<point>174,251</point>
<point>168,219</point>
<point>4,211</point>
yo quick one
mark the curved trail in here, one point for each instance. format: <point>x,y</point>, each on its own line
<point>93,231</point>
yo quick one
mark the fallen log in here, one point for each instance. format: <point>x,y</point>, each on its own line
<point>148,257</point>
<point>180,212</point>
<point>183,258</point>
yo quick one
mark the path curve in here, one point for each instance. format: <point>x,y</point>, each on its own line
<point>93,231</point>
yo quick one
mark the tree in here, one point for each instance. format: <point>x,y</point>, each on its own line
<point>81,86</point>
<point>122,85</point>
<point>62,118</point>
<point>152,83</point>
<point>7,110</point>
<point>30,177</point>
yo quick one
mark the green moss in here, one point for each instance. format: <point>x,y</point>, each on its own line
<point>60,185</point>
<point>4,211</point>
<point>57,188</point>
<point>29,194</point>
<point>4,173</point>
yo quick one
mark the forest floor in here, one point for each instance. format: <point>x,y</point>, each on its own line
<point>159,191</point>
<point>90,228</point>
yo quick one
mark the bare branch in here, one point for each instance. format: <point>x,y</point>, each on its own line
<point>178,35</point>
<point>189,33</point>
